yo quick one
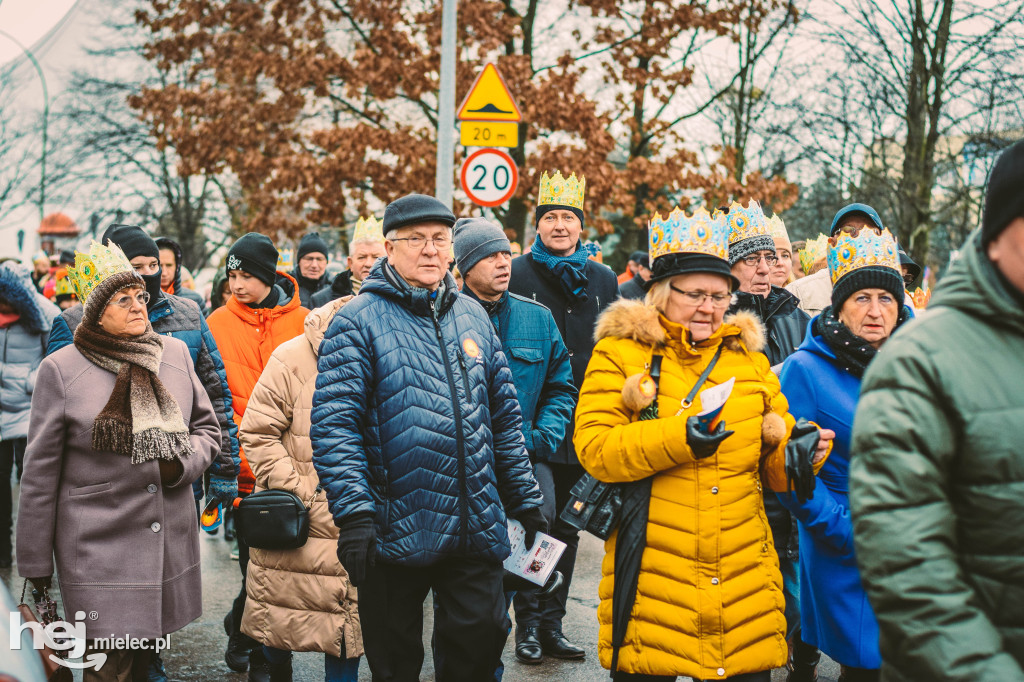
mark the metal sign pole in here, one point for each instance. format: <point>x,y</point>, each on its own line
<point>443,187</point>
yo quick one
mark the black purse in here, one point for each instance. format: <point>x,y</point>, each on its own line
<point>274,519</point>
<point>595,506</point>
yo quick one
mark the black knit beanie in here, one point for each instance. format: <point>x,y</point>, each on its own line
<point>1004,200</point>
<point>541,210</point>
<point>133,240</point>
<point>255,254</point>
<point>870,277</point>
<point>311,243</point>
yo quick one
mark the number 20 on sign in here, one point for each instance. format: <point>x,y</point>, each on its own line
<point>489,177</point>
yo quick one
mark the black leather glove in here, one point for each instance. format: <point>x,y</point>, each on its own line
<point>41,583</point>
<point>533,522</point>
<point>800,450</point>
<point>357,546</point>
<point>515,583</point>
<point>704,444</point>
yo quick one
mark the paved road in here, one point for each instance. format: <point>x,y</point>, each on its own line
<point>196,652</point>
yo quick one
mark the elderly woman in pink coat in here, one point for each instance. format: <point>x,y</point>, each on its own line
<point>119,428</point>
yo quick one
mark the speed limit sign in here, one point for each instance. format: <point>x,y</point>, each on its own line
<point>489,177</point>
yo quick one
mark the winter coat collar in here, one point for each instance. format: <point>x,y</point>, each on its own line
<point>384,281</point>
<point>319,319</point>
<point>252,316</point>
<point>22,298</point>
<point>779,302</point>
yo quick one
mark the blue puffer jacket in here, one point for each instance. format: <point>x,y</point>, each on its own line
<point>415,420</point>
<point>180,318</point>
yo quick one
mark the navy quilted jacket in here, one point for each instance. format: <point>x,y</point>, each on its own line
<point>415,420</point>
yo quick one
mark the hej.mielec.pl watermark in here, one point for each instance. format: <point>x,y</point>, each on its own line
<point>70,637</point>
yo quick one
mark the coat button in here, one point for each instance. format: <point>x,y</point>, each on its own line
<point>151,487</point>
<point>714,490</point>
<point>721,671</point>
<point>571,354</point>
<point>568,311</point>
<point>155,527</point>
<point>714,581</point>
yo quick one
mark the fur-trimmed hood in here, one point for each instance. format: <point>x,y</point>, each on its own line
<point>640,322</point>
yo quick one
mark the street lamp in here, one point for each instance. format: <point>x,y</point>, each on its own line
<point>46,119</point>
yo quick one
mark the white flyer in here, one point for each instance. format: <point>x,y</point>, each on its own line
<point>533,563</point>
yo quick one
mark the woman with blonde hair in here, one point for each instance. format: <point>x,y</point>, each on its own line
<point>692,564</point>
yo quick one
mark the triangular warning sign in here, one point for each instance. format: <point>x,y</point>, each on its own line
<point>489,99</point>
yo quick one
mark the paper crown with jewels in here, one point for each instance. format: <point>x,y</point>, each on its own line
<point>813,251</point>
<point>700,233</point>
<point>746,221</point>
<point>368,230</point>
<point>63,286</point>
<point>847,253</point>
<point>92,268</point>
<point>558,191</point>
<point>777,228</point>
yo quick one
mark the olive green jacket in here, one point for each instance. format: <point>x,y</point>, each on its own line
<point>937,483</point>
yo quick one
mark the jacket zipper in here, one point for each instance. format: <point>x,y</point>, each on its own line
<point>465,373</point>
<point>459,444</point>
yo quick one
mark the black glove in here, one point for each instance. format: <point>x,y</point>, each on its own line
<point>533,522</point>
<point>357,545</point>
<point>800,450</point>
<point>704,444</point>
<point>515,583</point>
<point>41,584</point>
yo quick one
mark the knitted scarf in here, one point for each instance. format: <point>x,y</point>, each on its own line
<point>570,270</point>
<point>141,419</point>
<point>853,352</point>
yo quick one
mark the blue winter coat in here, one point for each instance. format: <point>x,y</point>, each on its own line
<point>415,421</point>
<point>835,614</point>
<point>174,316</point>
<point>541,370</point>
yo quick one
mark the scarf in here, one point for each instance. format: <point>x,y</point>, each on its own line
<point>568,269</point>
<point>853,352</point>
<point>141,419</point>
<point>7,319</point>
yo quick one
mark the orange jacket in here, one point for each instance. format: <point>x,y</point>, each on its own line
<point>245,338</point>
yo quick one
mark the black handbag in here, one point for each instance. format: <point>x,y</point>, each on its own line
<point>274,519</point>
<point>595,506</point>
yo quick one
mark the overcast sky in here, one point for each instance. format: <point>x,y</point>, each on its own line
<point>28,21</point>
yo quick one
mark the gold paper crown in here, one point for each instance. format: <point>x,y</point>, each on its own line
<point>558,191</point>
<point>777,228</point>
<point>746,221</point>
<point>680,233</point>
<point>284,260</point>
<point>368,230</point>
<point>98,264</point>
<point>815,250</point>
<point>847,253</point>
<point>63,286</point>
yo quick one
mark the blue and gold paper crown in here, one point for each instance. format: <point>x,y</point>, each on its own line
<point>558,191</point>
<point>368,230</point>
<point>681,233</point>
<point>98,264</point>
<point>847,253</point>
<point>746,221</point>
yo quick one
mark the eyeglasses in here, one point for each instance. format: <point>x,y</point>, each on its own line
<point>754,259</point>
<point>127,300</point>
<point>419,242</point>
<point>697,298</point>
<point>854,229</point>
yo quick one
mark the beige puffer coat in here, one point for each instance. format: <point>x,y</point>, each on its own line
<point>298,600</point>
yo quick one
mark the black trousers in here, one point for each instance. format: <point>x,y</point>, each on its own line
<point>555,480</point>
<point>764,676</point>
<point>469,620</point>
<point>12,454</point>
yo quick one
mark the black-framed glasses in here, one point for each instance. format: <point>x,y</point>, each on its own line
<point>697,298</point>
<point>126,301</point>
<point>753,259</point>
<point>420,242</point>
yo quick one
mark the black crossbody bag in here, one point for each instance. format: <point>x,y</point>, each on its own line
<point>595,506</point>
<point>274,519</point>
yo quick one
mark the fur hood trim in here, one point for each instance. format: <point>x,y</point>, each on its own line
<point>638,321</point>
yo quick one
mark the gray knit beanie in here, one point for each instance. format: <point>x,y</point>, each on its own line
<point>476,239</point>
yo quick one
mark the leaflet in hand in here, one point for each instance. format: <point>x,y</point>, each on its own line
<point>712,400</point>
<point>533,563</point>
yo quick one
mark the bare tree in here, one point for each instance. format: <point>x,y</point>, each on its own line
<point>19,157</point>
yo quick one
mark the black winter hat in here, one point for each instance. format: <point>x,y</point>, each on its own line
<point>311,242</point>
<point>913,269</point>
<point>133,240</point>
<point>67,256</point>
<point>870,277</point>
<point>1004,200</point>
<point>415,209</point>
<point>672,264</point>
<point>256,254</point>
<point>539,212</point>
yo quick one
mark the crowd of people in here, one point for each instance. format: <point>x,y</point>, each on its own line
<point>805,460</point>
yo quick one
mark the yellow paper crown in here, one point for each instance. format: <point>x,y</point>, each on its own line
<point>95,266</point>
<point>847,253</point>
<point>814,251</point>
<point>682,233</point>
<point>558,191</point>
<point>777,228</point>
<point>285,258</point>
<point>368,230</point>
<point>63,286</point>
<point>746,221</point>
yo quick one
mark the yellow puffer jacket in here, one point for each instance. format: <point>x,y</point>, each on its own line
<point>709,600</point>
<point>299,599</point>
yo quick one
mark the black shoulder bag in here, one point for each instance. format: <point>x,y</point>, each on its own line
<point>274,519</point>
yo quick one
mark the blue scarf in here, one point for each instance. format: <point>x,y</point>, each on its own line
<point>568,269</point>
